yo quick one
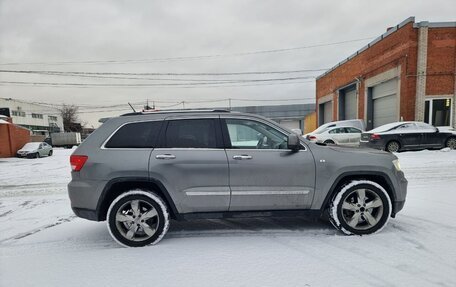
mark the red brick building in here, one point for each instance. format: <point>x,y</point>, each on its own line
<point>408,73</point>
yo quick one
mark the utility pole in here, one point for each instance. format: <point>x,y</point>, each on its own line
<point>183,104</point>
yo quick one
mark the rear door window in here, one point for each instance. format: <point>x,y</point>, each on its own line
<point>191,133</point>
<point>136,135</point>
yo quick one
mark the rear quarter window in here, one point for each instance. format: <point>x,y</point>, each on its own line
<point>136,135</point>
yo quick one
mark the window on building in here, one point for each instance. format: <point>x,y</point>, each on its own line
<point>37,116</point>
<point>438,112</point>
<point>191,134</point>
<point>52,118</point>
<point>18,113</point>
<point>135,135</point>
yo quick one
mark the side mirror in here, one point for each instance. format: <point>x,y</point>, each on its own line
<point>436,130</point>
<point>293,142</point>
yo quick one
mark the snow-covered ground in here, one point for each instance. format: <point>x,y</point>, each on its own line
<point>43,244</point>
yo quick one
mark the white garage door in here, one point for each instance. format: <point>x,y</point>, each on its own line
<point>384,97</point>
<point>291,124</point>
<point>327,112</point>
<point>350,105</point>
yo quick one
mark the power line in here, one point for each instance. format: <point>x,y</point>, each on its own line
<point>70,84</point>
<point>173,87</point>
<point>45,72</point>
<point>168,59</point>
<point>100,76</point>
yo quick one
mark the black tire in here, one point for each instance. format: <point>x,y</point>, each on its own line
<point>118,229</point>
<point>393,146</point>
<point>451,143</point>
<point>329,142</point>
<point>341,216</point>
<point>50,153</point>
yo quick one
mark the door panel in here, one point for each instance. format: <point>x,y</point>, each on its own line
<point>197,179</point>
<point>271,179</point>
<point>266,176</point>
<point>409,134</point>
<point>192,164</point>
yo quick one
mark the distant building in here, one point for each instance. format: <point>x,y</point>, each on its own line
<point>407,73</point>
<point>290,116</point>
<point>32,116</point>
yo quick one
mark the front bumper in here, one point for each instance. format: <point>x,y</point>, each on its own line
<point>85,213</point>
<point>401,193</point>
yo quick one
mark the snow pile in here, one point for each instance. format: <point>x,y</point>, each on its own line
<point>39,235</point>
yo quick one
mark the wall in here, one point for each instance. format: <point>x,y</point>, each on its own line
<point>441,61</point>
<point>310,123</point>
<point>12,138</point>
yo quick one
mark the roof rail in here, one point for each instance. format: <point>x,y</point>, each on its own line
<point>177,111</point>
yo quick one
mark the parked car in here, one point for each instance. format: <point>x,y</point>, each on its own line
<point>35,150</point>
<point>401,136</point>
<point>140,170</point>
<point>356,123</point>
<point>348,136</point>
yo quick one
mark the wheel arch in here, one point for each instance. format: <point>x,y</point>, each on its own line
<point>118,186</point>
<point>347,177</point>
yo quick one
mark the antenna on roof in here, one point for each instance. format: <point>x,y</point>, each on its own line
<point>132,107</point>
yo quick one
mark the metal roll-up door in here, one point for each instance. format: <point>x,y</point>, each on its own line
<point>350,105</point>
<point>327,112</point>
<point>384,103</point>
<point>291,124</point>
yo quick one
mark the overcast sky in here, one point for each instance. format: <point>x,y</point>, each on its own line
<point>53,32</point>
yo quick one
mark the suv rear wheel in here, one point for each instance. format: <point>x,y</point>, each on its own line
<point>360,207</point>
<point>138,218</point>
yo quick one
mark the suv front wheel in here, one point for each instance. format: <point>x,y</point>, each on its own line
<point>138,218</point>
<point>360,207</point>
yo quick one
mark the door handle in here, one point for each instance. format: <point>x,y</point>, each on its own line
<point>165,156</point>
<point>241,157</point>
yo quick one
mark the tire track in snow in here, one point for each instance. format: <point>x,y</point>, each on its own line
<point>39,229</point>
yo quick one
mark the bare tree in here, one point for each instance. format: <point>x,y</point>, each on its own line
<point>70,118</point>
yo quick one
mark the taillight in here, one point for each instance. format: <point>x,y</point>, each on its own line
<point>375,137</point>
<point>78,161</point>
<point>312,137</point>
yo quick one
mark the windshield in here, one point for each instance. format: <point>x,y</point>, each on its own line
<point>31,146</point>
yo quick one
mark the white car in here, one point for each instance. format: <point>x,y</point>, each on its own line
<point>349,136</point>
<point>35,150</point>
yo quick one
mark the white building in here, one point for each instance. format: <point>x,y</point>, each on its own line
<point>32,116</point>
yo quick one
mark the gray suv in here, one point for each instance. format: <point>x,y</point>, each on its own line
<point>140,170</point>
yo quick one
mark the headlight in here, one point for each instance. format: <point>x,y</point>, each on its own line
<point>397,165</point>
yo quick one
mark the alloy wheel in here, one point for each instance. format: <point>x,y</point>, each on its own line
<point>362,209</point>
<point>393,146</point>
<point>137,220</point>
<point>451,143</point>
